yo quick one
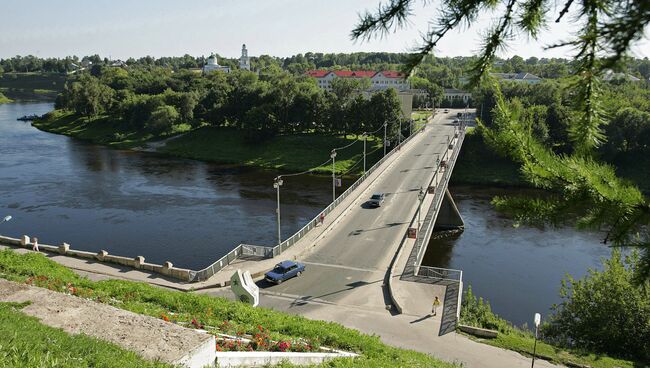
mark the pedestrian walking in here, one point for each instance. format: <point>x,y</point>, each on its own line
<point>321,218</point>
<point>436,303</point>
<point>35,244</point>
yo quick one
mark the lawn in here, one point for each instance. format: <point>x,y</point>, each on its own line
<point>26,343</point>
<point>217,313</point>
<point>290,153</point>
<point>4,99</point>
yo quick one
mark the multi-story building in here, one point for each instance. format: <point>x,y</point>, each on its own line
<point>378,80</point>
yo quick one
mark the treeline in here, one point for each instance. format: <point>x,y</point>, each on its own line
<point>547,108</point>
<point>273,102</point>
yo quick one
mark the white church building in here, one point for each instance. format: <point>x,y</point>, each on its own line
<point>213,63</point>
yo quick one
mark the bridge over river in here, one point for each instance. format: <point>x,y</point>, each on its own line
<point>361,256</point>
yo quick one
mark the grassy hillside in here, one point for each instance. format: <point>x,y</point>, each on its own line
<point>297,152</point>
<point>223,315</point>
<point>4,99</point>
<point>26,342</point>
<point>32,86</point>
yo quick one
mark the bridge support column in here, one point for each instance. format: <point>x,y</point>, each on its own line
<point>449,218</point>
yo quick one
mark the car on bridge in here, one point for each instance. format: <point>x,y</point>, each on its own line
<point>377,199</point>
<point>284,271</point>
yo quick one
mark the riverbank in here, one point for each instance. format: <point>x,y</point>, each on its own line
<point>4,99</point>
<point>216,315</point>
<point>298,152</point>
<point>32,86</point>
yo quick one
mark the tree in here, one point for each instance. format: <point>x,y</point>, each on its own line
<point>162,119</point>
<point>604,312</point>
<point>608,29</point>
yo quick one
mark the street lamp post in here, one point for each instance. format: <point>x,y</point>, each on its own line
<point>364,136</point>
<point>385,126</point>
<point>421,198</point>
<point>333,156</point>
<point>538,319</point>
<point>277,183</point>
<point>399,133</point>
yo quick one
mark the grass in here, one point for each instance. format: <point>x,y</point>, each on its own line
<point>25,343</point>
<point>4,99</point>
<point>32,86</point>
<point>476,312</point>
<point>298,152</point>
<point>98,129</point>
<point>222,314</point>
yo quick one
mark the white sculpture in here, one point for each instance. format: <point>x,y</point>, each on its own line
<point>242,285</point>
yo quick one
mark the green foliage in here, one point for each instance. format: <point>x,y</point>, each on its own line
<point>210,311</point>
<point>477,312</point>
<point>605,311</point>
<point>26,343</point>
<point>4,99</point>
<point>162,119</point>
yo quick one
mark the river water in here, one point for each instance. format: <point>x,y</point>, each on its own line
<point>518,270</point>
<point>133,203</point>
<point>191,213</point>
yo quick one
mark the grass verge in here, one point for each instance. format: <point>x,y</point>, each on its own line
<point>25,343</point>
<point>4,99</point>
<point>476,312</point>
<point>224,315</point>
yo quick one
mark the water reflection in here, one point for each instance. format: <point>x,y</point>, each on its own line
<point>133,203</point>
<point>518,270</point>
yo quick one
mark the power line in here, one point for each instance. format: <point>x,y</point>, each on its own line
<point>307,171</point>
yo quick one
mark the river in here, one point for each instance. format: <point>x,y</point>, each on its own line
<point>518,270</point>
<point>191,213</point>
<point>132,203</point>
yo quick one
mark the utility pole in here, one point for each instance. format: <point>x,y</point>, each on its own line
<point>364,135</point>
<point>385,125</point>
<point>333,156</point>
<point>399,133</point>
<point>277,183</point>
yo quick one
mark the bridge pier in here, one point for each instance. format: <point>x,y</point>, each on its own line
<point>449,217</point>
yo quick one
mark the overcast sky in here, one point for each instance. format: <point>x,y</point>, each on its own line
<point>134,28</point>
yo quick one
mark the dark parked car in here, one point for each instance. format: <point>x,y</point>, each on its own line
<point>377,199</point>
<point>284,271</point>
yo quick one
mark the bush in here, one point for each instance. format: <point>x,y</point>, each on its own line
<point>605,311</point>
<point>476,312</point>
<point>162,119</point>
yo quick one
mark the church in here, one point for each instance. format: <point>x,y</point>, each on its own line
<point>213,62</point>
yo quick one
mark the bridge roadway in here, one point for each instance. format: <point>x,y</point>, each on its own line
<point>349,264</point>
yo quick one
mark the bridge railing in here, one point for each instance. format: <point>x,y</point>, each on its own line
<point>270,252</point>
<point>430,218</point>
<point>447,274</point>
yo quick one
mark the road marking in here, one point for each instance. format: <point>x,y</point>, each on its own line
<point>343,267</point>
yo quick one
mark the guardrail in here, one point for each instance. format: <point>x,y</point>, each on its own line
<point>441,273</point>
<point>430,218</point>
<point>270,252</point>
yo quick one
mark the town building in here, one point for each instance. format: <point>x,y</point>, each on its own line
<point>244,60</point>
<point>453,94</point>
<point>518,77</point>
<point>378,80</point>
<point>610,75</point>
<point>213,65</point>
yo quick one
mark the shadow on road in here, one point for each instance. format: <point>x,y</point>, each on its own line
<point>422,318</point>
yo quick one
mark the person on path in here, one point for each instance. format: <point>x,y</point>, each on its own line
<point>321,218</point>
<point>436,303</point>
<point>35,245</point>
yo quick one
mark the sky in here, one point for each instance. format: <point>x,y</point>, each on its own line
<point>120,29</point>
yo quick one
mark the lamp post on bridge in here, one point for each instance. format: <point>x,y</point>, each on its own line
<point>421,195</point>
<point>333,157</point>
<point>399,134</point>
<point>385,126</point>
<point>277,183</point>
<point>364,136</point>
